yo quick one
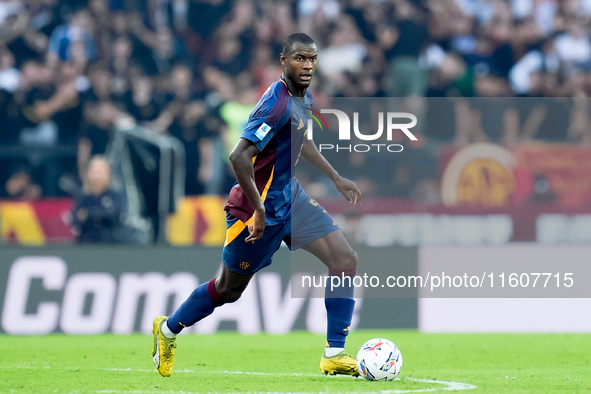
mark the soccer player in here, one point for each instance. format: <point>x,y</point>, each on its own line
<point>267,206</point>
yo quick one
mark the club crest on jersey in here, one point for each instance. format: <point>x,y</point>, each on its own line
<point>263,131</point>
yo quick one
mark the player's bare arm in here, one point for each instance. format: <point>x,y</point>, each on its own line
<point>346,187</point>
<point>242,165</point>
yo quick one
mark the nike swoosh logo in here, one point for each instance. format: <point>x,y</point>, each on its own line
<point>156,356</point>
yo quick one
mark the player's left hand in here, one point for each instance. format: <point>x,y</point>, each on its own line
<point>349,189</point>
<point>257,227</point>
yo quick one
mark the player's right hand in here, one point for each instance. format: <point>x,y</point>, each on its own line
<point>257,227</point>
<point>349,190</point>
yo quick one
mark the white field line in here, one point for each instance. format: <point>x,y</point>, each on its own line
<point>447,385</point>
<point>225,372</point>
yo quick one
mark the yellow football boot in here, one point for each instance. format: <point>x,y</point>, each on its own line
<point>163,351</point>
<point>341,363</point>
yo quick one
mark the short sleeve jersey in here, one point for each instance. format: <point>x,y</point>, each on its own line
<point>277,127</point>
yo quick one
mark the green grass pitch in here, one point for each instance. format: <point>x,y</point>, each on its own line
<point>229,362</point>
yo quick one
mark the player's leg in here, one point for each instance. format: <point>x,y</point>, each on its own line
<point>336,253</point>
<point>240,261</point>
<point>314,230</point>
<point>226,288</point>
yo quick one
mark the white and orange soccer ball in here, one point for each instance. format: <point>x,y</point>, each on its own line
<point>379,359</point>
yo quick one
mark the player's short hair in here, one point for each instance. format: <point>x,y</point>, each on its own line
<point>302,38</point>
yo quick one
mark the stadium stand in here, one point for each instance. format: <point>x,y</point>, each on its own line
<point>193,69</point>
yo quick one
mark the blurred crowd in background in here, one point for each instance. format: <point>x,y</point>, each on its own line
<point>194,69</point>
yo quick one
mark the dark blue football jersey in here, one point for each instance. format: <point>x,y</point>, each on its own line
<point>277,126</point>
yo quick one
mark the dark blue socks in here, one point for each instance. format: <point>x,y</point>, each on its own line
<point>200,304</point>
<point>339,304</point>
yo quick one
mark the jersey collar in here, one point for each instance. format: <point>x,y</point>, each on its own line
<point>285,83</point>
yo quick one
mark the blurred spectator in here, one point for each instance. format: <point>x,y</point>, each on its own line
<point>204,16</point>
<point>121,23</point>
<point>21,30</point>
<point>542,11</point>
<point>230,58</point>
<point>194,68</point>
<point>98,209</point>
<point>39,101</point>
<point>180,91</point>
<point>573,46</point>
<point>9,75</point>
<point>162,49</point>
<point>100,84</point>
<point>68,117</point>
<point>360,11</point>
<point>97,134</point>
<point>345,51</point>
<point>8,109</point>
<point>329,9</point>
<point>236,39</point>
<point>122,65</point>
<point>74,41</point>
<point>235,113</point>
<point>10,80</point>
<point>99,12</point>
<point>403,44</point>
<point>21,186</point>
<point>452,78</point>
<point>502,53</point>
<point>279,24</point>
<point>535,61</point>
<point>50,108</point>
<point>100,110</point>
<point>140,102</point>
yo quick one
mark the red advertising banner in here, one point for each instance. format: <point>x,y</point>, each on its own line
<point>489,175</point>
<point>567,170</point>
<point>201,220</point>
<point>490,195</point>
<point>198,220</point>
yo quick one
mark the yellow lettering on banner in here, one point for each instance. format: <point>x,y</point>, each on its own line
<point>20,218</point>
<point>181,226</point>
<point>212,209</point>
